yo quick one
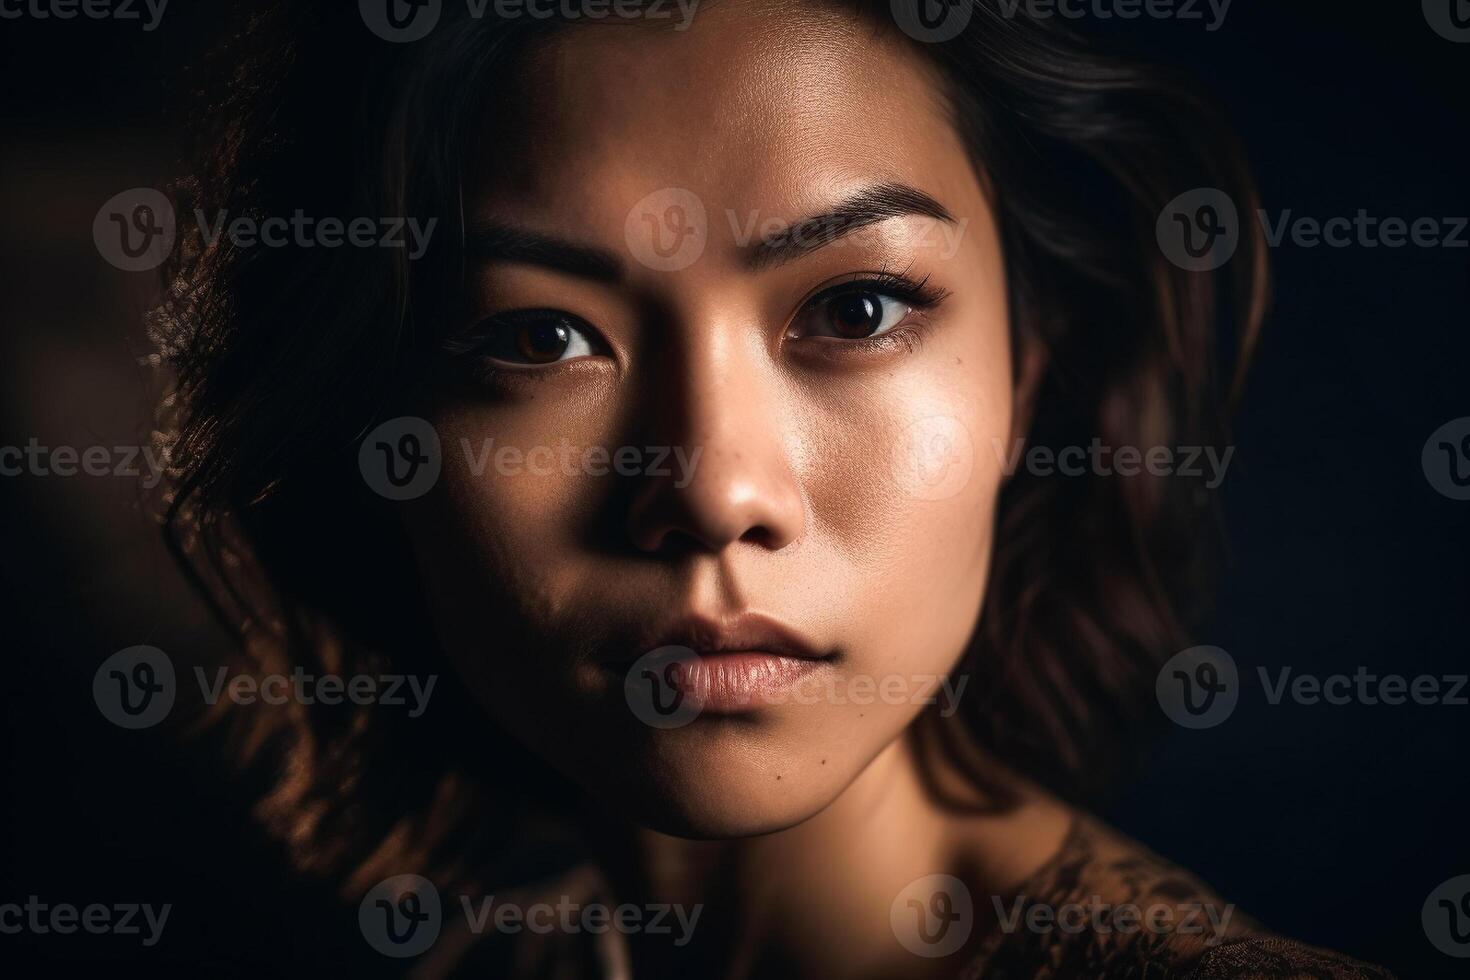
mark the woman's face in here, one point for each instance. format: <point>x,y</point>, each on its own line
<point>681,416</point>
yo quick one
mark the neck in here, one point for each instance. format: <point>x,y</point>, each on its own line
<point>814,899</point>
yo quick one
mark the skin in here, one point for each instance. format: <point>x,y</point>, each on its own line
<point>822,496</point>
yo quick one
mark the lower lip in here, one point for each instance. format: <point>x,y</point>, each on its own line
<point>740,681</point>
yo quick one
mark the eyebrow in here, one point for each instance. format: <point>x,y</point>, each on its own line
<point>868,206</point>
<point>492,242</point>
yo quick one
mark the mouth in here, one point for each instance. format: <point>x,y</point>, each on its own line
<point>724,666</point>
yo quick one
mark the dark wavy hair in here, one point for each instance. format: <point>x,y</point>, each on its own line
<point>282,358</point>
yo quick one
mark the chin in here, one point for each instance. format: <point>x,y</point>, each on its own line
<point>719,779</point>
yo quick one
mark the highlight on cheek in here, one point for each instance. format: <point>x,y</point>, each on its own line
<point>933,458</point>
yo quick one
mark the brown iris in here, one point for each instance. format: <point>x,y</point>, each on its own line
<point>855,315</point>
<point>541,341</point>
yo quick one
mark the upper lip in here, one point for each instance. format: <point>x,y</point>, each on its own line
<point>746,631</point>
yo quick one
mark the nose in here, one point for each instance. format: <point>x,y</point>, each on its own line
<point>724,411</point>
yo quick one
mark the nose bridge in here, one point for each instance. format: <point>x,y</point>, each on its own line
<point>714,368</point>
<point>720,404</point>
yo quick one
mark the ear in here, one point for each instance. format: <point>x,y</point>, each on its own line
<point>1031,363</point>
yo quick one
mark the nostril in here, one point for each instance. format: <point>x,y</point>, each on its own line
<point>762,536</point>
<point>676,543</point>
<point>679,538</point>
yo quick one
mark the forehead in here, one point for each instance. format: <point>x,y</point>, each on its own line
<point>774,107</point>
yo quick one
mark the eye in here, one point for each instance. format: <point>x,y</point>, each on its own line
<point>534,337</point>
<point>851,313</point>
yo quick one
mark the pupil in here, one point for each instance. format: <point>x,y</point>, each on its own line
<point>543,342</point>
<point>857,314</point>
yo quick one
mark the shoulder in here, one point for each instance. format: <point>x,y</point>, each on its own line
<point>1104,905</point>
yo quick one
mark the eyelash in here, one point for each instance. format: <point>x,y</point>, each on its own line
<point>908,335</point>
<point>916,293</point>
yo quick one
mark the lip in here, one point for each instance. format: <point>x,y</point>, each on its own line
<point>730,665</point>
<point>742,633</point>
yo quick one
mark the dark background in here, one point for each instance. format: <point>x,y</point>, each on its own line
<point>1330,824</point>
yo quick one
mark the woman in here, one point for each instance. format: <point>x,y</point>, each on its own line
<point>686,452</point>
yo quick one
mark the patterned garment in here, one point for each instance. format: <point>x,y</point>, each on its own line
<point>1099,885</point>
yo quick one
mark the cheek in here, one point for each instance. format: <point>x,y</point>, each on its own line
<point>525,466</point>
<point>904,476</point>
<point>519,488</point>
